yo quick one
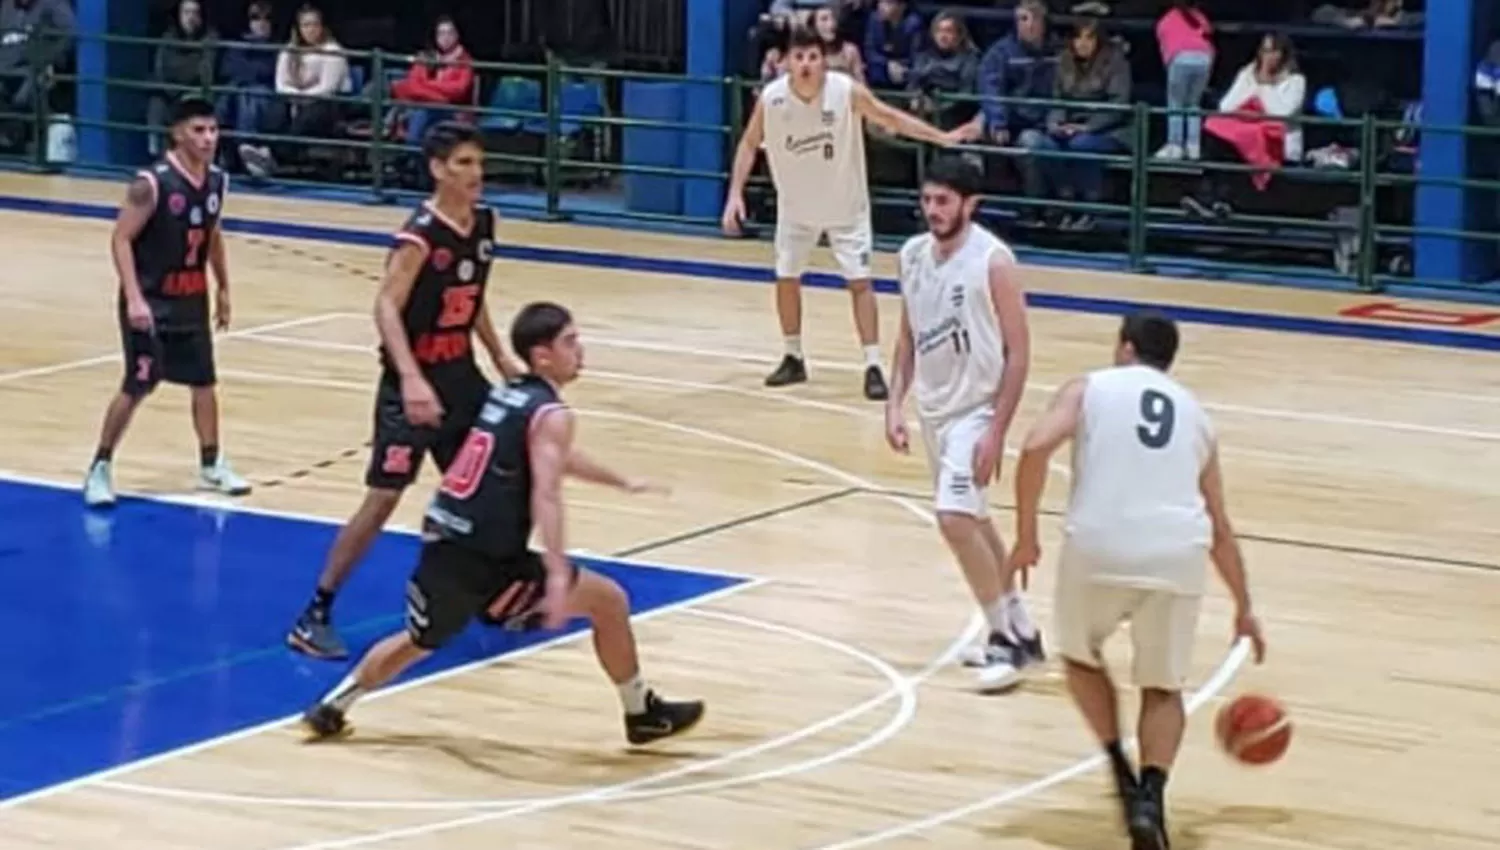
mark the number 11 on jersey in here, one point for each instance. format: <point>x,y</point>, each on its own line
<point>960,338</point>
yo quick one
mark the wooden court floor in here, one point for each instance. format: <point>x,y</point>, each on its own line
<point>1365,477</point>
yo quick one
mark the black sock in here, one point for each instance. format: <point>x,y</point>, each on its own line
<point>104,454</point>
<point>322,601</point>
<point>1119,762</point>
<point>208,455</point>
<point>1153,781</point>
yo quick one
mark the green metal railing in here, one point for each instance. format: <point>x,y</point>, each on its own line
<point>563,174</point>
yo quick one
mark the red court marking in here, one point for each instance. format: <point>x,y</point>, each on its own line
<point>1388,311</point>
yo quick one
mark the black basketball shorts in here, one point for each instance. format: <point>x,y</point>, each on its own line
<point>177,356</point>
<point>398,446</point>
<point>453,585</point>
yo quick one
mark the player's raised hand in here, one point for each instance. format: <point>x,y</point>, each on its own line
<point>420,402</point>
<point>987,456</point>
<point>896,433</point>
<point>734,215</point>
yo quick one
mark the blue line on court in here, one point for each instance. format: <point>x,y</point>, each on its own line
<point>727,271</point>
<point>157,626</point>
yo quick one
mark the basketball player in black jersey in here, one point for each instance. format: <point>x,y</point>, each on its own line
<point>431,305</point>
<point>476,562</point>
<point>166,238</point>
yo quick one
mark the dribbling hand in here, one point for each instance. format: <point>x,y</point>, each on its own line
<point>1247,626</point>
<point>734,214</point>
<point>896,433</point>
<point>421,403</point>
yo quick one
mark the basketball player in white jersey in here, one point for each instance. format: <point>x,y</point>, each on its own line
<point>1146,511</point>
<point>810,121</point>
<point>965,349</point>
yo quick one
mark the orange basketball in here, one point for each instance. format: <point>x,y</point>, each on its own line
<point>1254,729</point>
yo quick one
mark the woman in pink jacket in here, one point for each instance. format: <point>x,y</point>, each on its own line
<point>1185,36</point>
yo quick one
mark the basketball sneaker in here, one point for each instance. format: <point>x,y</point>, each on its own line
<point>875,388</point>
<point>793,370</point>
<point>324,721</point>
<point>98,486</point>
<point>314,635</point>
<point>222,478</point>
<point>1002,665</point>
<point>1148,821</point>
<point>662,719</point>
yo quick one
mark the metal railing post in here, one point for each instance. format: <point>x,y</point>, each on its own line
<point>1139,187</point>
<point>377,124</point>
<point>552,170</point>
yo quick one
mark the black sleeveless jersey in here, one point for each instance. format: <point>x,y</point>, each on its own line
<point>171,251</point>
<point>484,502</point>
<point>448,294</point>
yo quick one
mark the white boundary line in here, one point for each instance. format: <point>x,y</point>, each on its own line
<point>116,357</point>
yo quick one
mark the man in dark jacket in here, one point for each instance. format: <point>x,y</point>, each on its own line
<point>249,67</point>
<point>1021,65</point>
<point>892,39</point>
<point>25,50</point>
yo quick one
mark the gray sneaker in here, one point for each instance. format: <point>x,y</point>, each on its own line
<point>316,637</point>
<point>98,486</point>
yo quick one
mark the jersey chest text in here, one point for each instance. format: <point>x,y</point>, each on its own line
<point>448,335</point>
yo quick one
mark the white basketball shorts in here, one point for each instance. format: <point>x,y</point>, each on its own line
<point>1163,622</point>
<point>950,456</point>
<point>851,244</point>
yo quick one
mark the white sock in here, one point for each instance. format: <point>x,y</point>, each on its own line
<point>344,694</point>
<point>872,356</point>
<point>633,694</point>
<point>998,615</point>
<point>794,346</point>
<point>1020,620</point>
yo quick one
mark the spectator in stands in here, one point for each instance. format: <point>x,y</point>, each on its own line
<point>1092,70</point>
<point>1185,37</point>
<point>24,56</point>
<point>185,61</point>
<point>1376,14</point>
<point>311,67</point>
<point>1270,86</point>
<point>843,55</point>
<point>1021,65</point>
<point>892,39</point>
<point>442,76</point>
<point>948,66</point>
<point>249,66</point>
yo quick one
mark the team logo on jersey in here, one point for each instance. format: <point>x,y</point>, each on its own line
<point>956,297</point>
<point>485,251</point>
<point>423,220</point>
<point>195,217</point>
<point>176,203</point>
<point>213,204</point>
<point>466,270</point>
<point>442,259</point>
<point>778,101</point>
<point>828,118</point>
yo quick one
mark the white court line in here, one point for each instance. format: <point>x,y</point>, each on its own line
<point>130,767</point>
<point>637,789</point>
<point>1217,682</point>
<point>54,368</point>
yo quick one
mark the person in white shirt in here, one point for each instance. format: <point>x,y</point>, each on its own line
<point>964,349</point>
<point>1145,512</point>
<point>810,121</point>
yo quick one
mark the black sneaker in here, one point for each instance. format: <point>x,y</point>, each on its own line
<point>325,722</point>
<point>1031,649</point>
<point>1126,791</point>
<point>1147,823</point>
<point>791,371</point>
<point>662,719</point>
<point>314,636</point>
<point>875,388</point>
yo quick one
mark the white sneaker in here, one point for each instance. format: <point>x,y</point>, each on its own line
<point>1169,151</point>
<point>999,664</point>
<point>1195,152</point>
<point>98,488</point>
<point>223,479</point>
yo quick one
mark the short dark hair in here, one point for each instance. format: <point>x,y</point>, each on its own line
<point>189,108</point>
<point>538,323</point>
<point>1153,336</point>
<point>961,175</point>
<point>445,137</point>
<point>804,36</point>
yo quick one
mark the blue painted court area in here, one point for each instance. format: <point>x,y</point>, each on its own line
<point>156,626</point>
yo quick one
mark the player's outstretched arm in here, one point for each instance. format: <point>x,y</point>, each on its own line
<point>585,468</point>
<point>1226,554</point>
<point>744,163</point>
<point>873,109</point>
<point>140,202</point>
<point>1055,426</point>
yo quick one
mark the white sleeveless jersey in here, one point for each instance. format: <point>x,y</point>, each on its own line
<point>816,152</point>
<point>960,350</point>
<point>1136,508</point>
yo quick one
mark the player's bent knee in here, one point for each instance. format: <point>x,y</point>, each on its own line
<point>599,597</point>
